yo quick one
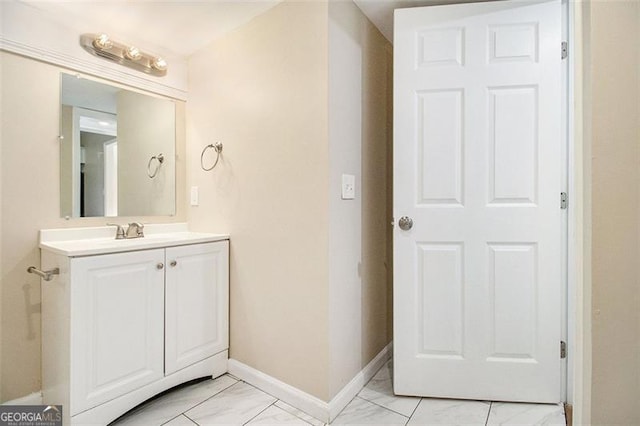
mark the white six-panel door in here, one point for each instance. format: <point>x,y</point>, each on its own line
<point>477,167</point>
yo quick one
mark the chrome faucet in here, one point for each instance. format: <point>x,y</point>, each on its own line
<point>119,231</point>
<point>135,230</point>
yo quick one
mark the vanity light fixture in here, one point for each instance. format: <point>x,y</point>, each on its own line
<point>103,46</point>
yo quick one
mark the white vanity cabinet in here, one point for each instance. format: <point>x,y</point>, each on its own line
<point>117,313</point>
<point>197,295</point>
<point>119,328</point>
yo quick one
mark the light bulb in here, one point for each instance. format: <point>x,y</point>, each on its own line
<point>103,42</point>
<point>159,64</point>
<point>133,53</point>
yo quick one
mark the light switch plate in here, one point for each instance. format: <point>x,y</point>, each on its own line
<point>348,187</point>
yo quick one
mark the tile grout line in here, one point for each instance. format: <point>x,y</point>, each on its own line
<point>295,415</point>
<point>172,419</point>
<point>356,395</point>
<point>409,418</point>
<point>194,422</point>
<point>262,411</point>
<point>205,400</point>
<point>387,408</point>
<point>277,399</point>
<point>143,406</point>
<point>345,407</point>
<point>486,422</point>
<point>416,409</point>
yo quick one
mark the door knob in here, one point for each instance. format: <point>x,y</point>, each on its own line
<point>173,263</point>
<point>405,223</point>
<point>160,265</point>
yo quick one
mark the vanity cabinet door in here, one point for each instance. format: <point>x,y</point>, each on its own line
<point>197,300</point>
<point>117,310</point>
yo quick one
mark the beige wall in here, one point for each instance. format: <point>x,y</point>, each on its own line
<point>377,232</point>
<point>345,142</point>
<point>615,133</point>
<point>358,232</point>
<point>262,91</point>
<point>30,201</point>
<point>1,250</point>
<point>140,138</point>
<point>297,97</point>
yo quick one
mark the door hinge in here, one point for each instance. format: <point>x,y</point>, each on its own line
<point>563,350</point>
<point>564,200</point>
<point>564,49</point>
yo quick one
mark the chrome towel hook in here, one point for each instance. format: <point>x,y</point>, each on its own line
<point>217,147</point>
<point>160,159</point>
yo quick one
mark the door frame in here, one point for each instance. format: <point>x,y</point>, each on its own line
<point>110,201</point>
<point>578,306</point>
<point>566,218</point>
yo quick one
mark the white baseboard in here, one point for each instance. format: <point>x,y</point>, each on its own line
<point>31,399</point>
<point>287,393</point>
<point>301,400</point>
<point>344,397</point>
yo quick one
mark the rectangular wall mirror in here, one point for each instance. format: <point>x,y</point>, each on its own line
<point>117,152</point>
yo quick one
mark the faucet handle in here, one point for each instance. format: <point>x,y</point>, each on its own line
<point>136,229</point>
<point>119,231</point>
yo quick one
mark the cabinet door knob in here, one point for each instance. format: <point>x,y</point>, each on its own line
<point>173,263</point>
<point>160,265</point>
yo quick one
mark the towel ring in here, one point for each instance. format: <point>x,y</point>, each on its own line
<point>160,159</point>
<point>217,147</point>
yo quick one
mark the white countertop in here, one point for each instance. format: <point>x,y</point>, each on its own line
<point>74,242</point>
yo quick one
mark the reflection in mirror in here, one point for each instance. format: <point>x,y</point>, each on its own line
<point>108,137</point>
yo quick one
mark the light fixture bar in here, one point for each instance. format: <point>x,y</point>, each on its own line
<point>101,45</point>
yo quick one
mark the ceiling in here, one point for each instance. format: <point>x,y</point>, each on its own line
<point>181,27</point>
<point>184,27</point>
<point>380,12</point>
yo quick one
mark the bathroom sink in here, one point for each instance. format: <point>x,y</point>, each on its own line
<point>101,240</point>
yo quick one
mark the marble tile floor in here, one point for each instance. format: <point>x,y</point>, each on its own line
<point>229,401</point>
